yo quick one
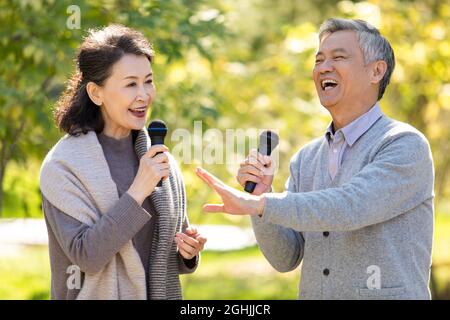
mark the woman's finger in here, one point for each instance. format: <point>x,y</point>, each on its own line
<point>155,149</point>
<point>191,230</point>
<point>201,239</point>
<point>185,254</point>
<point>161,158</point>
<point>191,241</point>
<point>186,247</point>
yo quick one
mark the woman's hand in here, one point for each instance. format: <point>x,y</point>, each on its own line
<point>190,243</point>
<point>152,168</point>
<point>234,201</point>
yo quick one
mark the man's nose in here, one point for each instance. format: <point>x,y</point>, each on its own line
<point>325,66</point>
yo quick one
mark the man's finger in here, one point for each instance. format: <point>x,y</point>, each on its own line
<point>248,177</point>
<point>209,176</point>
<point>200,173</point>
<point>213,208</point>
<point>253,170</point>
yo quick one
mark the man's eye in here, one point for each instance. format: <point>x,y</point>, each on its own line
<point>318,61</point>
<point>132,84</point>
<point>150,81</point>
<point>339,57</point>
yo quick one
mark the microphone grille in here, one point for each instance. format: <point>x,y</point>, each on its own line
<point>268,140</point>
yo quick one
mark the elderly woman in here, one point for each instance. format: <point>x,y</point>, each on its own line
<point>113,234</point>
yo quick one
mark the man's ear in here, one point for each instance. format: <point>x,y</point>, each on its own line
<point>94,92</point>
<point>377,72</point>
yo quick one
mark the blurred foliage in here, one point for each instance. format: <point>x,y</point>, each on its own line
<point>229,64</point>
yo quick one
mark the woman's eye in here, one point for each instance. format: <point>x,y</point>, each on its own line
<point>131,84</point>
<point>339,57</point>
<point>149,81</point>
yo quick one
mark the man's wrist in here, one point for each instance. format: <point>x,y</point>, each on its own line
<point>258,205</point>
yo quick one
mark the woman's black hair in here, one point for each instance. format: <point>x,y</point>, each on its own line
<point>75,113</point>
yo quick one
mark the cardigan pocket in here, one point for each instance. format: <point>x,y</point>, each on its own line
<point>385,293</point>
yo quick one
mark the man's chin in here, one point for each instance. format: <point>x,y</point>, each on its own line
<point>328,104</point>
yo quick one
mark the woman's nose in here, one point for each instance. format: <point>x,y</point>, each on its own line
<point>143,93</point>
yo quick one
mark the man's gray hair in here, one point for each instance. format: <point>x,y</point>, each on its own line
<point>373,45</point>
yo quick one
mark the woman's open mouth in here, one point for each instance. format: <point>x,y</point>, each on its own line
<point>138,112</point>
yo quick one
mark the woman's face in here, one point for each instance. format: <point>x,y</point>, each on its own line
<point>127,95</point>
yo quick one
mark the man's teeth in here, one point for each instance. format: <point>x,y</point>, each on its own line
<point>328,83</point>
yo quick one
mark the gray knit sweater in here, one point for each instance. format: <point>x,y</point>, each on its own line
<point>74,243</point>
<point>366,234</point>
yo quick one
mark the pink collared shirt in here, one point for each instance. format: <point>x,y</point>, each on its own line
<point>345,137</point>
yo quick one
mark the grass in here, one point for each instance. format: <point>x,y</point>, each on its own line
<point>242,274</point>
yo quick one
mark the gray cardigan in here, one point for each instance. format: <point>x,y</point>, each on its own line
<point>374,219</point>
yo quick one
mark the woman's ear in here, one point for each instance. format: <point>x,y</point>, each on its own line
<point>378,70</point>
<point>94,92</point>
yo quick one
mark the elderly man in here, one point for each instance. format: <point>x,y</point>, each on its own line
<point>358,206</point>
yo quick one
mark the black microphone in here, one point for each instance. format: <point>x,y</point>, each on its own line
<point>268,140</point>
<point>157,131</point>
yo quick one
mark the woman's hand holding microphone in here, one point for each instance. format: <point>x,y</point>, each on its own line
<point>152,168</point>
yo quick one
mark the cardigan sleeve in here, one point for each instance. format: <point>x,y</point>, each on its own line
<point>92,247</point>
<point>399,178</point>
<point>282,246</point>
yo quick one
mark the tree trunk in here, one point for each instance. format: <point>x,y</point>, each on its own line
<point>3,162</point>
<point>6,154</point>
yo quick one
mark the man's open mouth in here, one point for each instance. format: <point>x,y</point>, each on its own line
<point>328,84</point>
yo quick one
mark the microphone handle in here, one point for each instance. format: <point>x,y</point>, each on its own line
<point>250,185</point>
<point>160,181</point>
<point>156,141</point>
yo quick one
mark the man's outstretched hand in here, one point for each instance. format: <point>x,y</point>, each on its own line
<point>234,201</point>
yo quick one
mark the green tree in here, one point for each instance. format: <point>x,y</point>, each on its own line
<point>37,50</point>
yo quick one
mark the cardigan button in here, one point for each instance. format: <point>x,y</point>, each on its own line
<point>326,272</point>
<point>326,234</point>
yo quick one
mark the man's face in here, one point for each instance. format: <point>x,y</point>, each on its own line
<point>340,75</point>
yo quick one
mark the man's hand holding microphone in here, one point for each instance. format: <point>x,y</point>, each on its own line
<point>255,175</point>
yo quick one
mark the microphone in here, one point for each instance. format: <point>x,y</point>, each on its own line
<point>157,131</point>
<point>268,140</point>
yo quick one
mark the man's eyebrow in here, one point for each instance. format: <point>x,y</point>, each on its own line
<point>134,77</point>
<point>337,50</point>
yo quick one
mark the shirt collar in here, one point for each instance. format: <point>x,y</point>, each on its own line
<point>354,130</point>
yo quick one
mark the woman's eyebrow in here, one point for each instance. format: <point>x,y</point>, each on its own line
<point>135,77</point>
